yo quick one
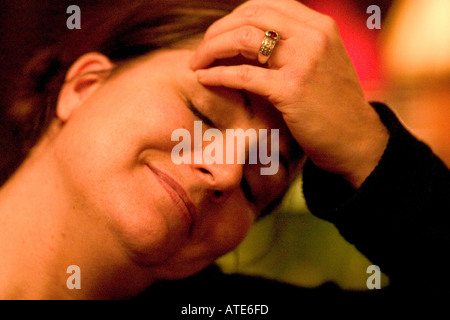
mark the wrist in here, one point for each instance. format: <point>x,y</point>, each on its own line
<point>367,150</point>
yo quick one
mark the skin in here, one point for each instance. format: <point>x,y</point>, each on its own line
<point>93,196</point>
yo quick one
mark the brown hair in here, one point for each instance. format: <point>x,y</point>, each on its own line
<point>121,32</point>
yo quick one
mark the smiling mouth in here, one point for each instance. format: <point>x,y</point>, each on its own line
<point>176,193</point>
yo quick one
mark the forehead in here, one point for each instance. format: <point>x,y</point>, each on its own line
<point>170,69</point>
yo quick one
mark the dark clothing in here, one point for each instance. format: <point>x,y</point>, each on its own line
<point>399,218</point>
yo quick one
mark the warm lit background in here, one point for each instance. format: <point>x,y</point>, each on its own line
<point>405,64</point>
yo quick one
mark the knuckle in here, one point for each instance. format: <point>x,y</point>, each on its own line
<point>244,73</point>
<point>324,35</point>
<point>321,39</point>
<point>246,35</point>
<point>329,24</point>
<point>253,11</point>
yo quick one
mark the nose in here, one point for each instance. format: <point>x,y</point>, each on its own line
<point>222,179</point>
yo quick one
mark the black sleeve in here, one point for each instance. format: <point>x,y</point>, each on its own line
<point>399,217</point>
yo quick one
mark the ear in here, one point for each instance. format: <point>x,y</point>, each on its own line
<point>82,79</point>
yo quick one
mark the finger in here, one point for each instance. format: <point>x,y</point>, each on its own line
<point>283,15</point>
<point>245,41</point>
<point>262,17</point>
<point>240,37</point>
<point>261,81</point>
<point>291,8</point>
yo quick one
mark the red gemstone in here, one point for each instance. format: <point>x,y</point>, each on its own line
<point>273,35</point>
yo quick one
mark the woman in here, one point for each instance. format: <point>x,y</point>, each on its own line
<point>99,188</point>
<point>106,195</point>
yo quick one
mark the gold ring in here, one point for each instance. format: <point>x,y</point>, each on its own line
<point>271,38</point>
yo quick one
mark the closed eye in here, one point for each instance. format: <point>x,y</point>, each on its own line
<point>199,115</point>
<point>247,190</point>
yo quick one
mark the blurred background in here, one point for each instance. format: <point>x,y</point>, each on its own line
<point>405,63</point>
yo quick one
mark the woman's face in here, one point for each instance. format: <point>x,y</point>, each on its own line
<point>115,156</point>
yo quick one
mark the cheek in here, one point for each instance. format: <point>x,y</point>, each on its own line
<point>120,203</point>
<point>97,154</point>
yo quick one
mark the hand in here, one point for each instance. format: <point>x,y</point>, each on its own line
<point>309,78</point>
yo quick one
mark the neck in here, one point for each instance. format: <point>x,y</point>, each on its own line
<point>43,233</point>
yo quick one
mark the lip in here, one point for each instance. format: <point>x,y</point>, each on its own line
<point>176,192</point>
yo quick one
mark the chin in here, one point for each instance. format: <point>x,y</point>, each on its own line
<point>152,243</point>
<point>183,269</point>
